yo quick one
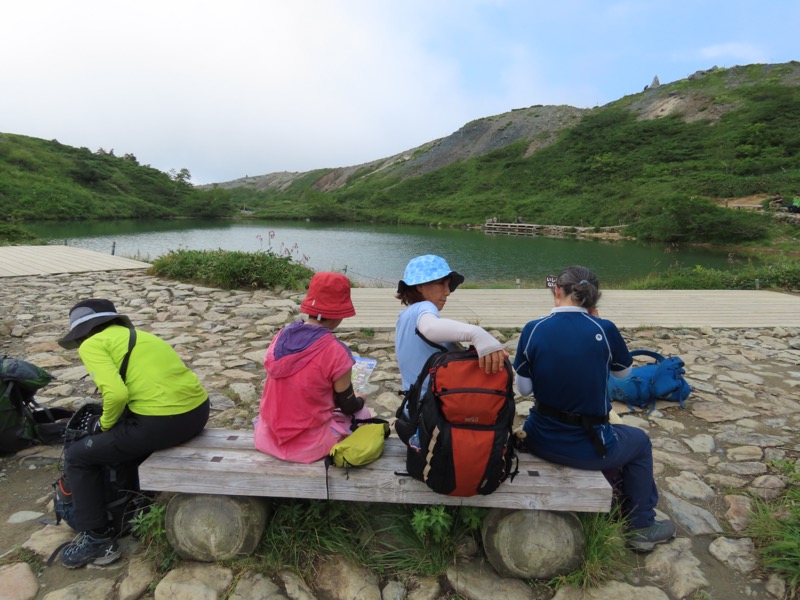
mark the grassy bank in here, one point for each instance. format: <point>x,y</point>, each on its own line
<point>233,270</point>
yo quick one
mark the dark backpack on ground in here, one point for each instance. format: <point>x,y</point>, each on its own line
<point>661,380</point>
<point>24,422</point>
<point>122,496</point>
<point>461,429</point>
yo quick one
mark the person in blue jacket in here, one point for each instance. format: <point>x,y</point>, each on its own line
<point>565,360</point>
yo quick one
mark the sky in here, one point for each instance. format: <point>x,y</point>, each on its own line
<point>233,88</point>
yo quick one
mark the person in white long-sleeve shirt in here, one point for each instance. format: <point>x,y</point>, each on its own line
<point>427,282</point>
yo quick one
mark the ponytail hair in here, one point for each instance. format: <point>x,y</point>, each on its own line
<point>581,285</point>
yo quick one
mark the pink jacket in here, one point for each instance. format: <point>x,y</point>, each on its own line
<point>296,420</point>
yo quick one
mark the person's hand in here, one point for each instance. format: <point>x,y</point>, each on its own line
<point>94,426</point>
<point>492,363</point>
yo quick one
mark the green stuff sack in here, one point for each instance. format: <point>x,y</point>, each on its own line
<point>361,447</point>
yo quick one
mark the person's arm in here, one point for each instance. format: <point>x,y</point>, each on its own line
<point>491,353</point>
<point>621,359</point>
<point>344,397</point>
<point>522,368</point>
<point>106,377</point>
<point>524,385</point>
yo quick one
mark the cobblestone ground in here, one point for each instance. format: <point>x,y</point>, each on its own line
<point>711,458</point>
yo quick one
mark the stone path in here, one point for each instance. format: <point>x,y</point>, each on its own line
<point>711,458</point>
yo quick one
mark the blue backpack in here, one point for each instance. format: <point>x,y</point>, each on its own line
<point>662,380</point>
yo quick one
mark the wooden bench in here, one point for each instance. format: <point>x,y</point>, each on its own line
<point>221,473</point>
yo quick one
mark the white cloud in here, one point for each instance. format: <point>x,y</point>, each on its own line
<point>250,87</point>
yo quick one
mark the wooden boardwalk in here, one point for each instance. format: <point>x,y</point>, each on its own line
<point>378,309</point>
<point>18,261</point>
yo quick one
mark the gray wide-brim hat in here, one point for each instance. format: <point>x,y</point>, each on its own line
<point>429,267</point>
<point>86,316</point>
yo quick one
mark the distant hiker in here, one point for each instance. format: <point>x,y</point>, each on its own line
<point>776,201</point>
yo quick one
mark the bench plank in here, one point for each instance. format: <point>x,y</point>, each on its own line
<point>226,462</point>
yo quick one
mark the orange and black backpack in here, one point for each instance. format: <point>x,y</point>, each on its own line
<point>460,441</point>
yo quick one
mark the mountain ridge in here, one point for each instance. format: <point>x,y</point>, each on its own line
<point>538,125</point>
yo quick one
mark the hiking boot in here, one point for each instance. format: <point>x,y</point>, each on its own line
<point>89,547</point>
<point>646,538</point>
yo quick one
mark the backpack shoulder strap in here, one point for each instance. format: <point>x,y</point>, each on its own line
<point>439,347</point>
<point>123,368</point>
<point>412,398</point>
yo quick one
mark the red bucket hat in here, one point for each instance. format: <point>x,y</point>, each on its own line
<point>328,297</point>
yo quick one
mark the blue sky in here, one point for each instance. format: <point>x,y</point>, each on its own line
<point>249,87</point>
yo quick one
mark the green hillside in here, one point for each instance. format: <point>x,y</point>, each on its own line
<point>46,180</point>
<point>660,162</point>
<point>645,159</point>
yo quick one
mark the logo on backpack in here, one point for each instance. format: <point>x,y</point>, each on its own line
<point>462,442</point>
<point>662,380</point>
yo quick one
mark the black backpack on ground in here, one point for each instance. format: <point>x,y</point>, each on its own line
<point>460,439</point>
<point>23,421</point>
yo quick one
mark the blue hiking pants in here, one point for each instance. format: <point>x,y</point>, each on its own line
<point>632,457</point>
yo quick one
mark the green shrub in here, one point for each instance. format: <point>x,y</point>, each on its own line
<point>682,219</point>
<point>14,234</point>
<point>233,270</point>
<point>783,274</point>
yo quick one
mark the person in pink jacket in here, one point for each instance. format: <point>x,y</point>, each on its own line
<point>308,401</point>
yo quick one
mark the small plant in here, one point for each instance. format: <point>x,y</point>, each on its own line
<point>605,550</point>
<point>367,332</point>
<point>150,527</point>
<point>303,530</point>
<point>472,517</point>
<point>419,541</point>
<point>34,561</point>
<point>432,522</point>
<point>775,528</point>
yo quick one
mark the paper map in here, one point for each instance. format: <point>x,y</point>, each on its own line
<point>361,371</point>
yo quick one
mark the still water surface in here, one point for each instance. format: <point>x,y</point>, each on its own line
<point>377,254</point>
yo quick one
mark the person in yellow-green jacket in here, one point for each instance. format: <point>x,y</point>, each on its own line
<point>158,403</point>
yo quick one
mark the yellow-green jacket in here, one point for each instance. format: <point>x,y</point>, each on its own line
<point>157,382</point>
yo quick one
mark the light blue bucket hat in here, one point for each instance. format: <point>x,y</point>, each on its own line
<point>429,267</point>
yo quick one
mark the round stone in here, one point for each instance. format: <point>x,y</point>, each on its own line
<point>210,528</point>
<point>533,543</point>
